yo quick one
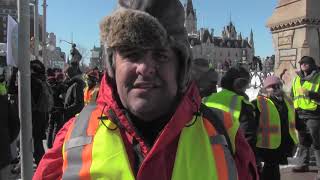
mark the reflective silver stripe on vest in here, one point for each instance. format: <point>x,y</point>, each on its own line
<point>265,129</point>
<point>232,170</point>
<point>77,141</point>
<point>74,145</point>
<point>233,105</point>
<point>314,83</point>
<point>294,86</point>
<point>219,139</point>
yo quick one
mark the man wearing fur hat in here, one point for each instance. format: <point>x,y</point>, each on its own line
<point>147,122</point>
<point>306,94</point>
<point>275,124</point>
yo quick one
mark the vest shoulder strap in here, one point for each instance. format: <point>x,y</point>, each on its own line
<point>212,114</point>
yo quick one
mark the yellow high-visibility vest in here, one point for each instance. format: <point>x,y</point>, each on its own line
<point>95,150</point>
<point>300,100</point>
<point>230,102</point>
<point>269,132</point>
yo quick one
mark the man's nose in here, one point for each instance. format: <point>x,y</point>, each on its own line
<point>147,67</point>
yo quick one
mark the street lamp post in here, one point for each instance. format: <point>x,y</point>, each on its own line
<point>25,90</point>
<point>44,34</point>
<point>36,29</point>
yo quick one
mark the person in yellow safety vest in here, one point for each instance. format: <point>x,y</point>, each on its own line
<point>232,98</point>
<point>92,89</point>
<point>148,121</point>
<point>275,122</point>
<point>306,95</point>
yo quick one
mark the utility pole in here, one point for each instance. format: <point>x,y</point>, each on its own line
<point>36,29</point>
<point>44,35</point>
<point>26,144</point>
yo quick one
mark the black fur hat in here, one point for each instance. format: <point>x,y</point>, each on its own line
<point>308,60</point>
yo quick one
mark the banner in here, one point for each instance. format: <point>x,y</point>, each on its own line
<point>12,42</point>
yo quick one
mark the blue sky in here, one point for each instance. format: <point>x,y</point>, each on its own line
<point>80,19</point>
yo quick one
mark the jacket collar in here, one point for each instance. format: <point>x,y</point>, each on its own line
<point>308,77</point>
<point>188,106</point>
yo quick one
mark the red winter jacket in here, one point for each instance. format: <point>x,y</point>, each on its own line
<point>159,160</point>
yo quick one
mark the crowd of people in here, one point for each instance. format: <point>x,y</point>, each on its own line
<point>56,96</point>
<point>156,113</point>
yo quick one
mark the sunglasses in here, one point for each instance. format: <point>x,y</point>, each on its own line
<point>275,86</point>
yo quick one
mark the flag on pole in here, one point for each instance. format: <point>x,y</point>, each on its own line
<point>12,42</point>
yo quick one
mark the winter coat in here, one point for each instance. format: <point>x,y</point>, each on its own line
<point>158,158</point>
<point>56,118</point>
<point>285,149</point>
<point>39,119</point>
<point>73,102</point>
<point>248,123</point>
<point>9,129</point>
<point>306,114</point>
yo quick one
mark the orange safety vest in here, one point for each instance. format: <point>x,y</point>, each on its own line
<point>90,95</point>
<point>94,149</point>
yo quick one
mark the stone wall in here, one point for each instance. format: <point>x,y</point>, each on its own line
<point>295,34</point>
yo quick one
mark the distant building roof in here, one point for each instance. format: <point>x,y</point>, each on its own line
<point>218,41</point>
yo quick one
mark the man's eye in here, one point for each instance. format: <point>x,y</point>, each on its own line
<point>161,57</point>
<point>133,56</point>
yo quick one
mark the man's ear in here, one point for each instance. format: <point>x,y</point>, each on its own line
<point>110,58</point>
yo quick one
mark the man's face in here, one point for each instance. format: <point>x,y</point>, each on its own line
<point>305,67</point>
<point>147,81</point>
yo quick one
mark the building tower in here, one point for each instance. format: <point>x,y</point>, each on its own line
<point>251,41</point>
<point>229,31</point>
<point>190,18</point>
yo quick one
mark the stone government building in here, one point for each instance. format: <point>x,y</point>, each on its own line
<point>227,49</point>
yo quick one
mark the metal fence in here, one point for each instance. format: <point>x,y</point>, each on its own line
<point>258,72</point>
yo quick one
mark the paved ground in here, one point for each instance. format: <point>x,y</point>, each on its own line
<point>286,174</point>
